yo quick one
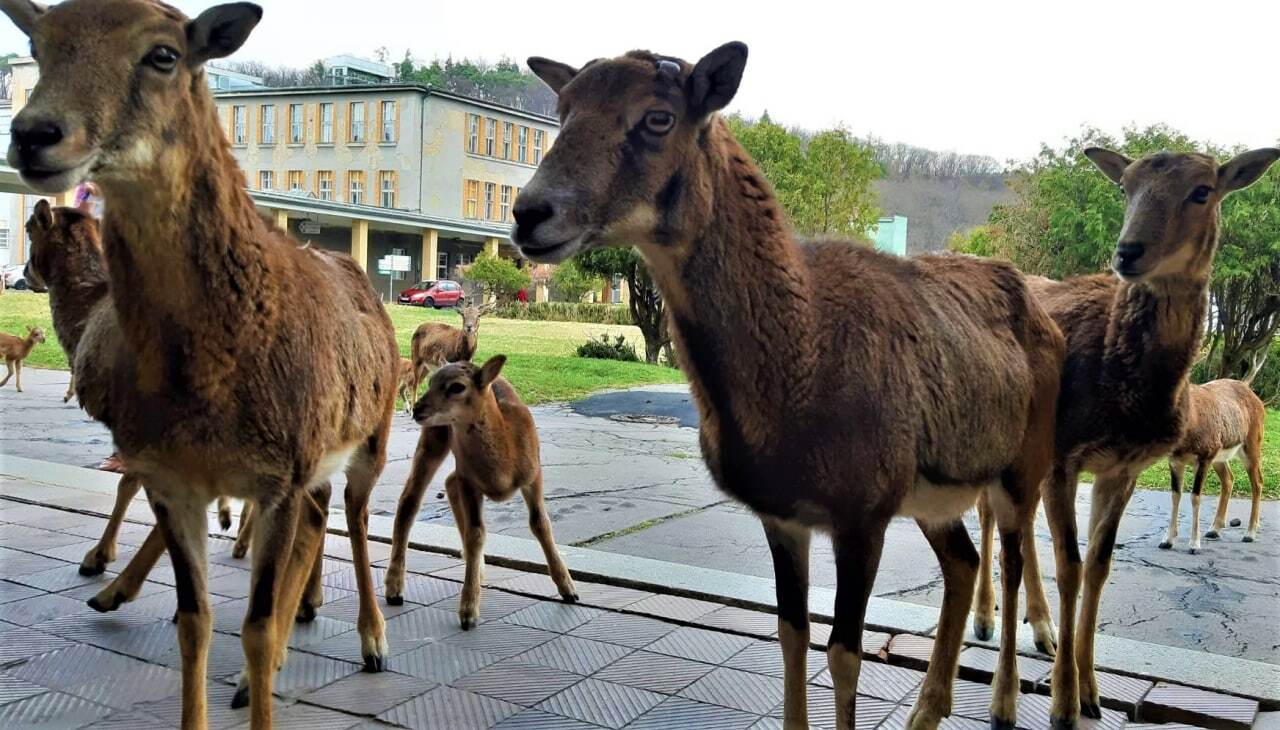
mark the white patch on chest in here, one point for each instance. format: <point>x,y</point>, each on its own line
<point>934,504</point>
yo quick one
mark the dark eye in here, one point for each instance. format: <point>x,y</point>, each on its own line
<point>455,388</point>
<point>1201,194</point>
<point>162,58</point>
<point>659,122</point>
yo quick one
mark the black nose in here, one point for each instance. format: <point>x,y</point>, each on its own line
<point>33,135</point>
<point>529,215</point>
<point>1128,253</point>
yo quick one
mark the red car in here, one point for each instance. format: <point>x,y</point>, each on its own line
<point>434,294</point>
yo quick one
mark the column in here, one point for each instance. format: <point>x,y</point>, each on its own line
<point>491,247</point>
<point>281,218</point>
<point>605,291</point>
<point>430,252</point>
<point>360,242</point>
<point>624,293</point>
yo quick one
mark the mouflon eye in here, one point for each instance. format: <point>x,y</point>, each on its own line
<point>455,388</point>
<point>1200,194</point>
<point>163,58</point>
<point>659,122</point>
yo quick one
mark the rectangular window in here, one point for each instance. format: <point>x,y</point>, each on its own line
<point>473,134</point>
<point>471,200</point>
<point>504,210</point>
<point>355,187</point>
<point>357,122</point>
<point>489,190</point>
<point>388,121</point>
<point>508,131</point>
<point>239,134</point>
<point>297,124</point>
<point>267,124</point>
<point>324,184</point>
<point>297,181</point>
<point>266,180</point>
<point>387,188</point>
<point>326,124</point>
<point>537,146</point>
<point>522,147</point>
<point>442,266</point>
<point>491,130</point>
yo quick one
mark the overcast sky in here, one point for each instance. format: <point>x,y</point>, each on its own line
<point>994,78</point>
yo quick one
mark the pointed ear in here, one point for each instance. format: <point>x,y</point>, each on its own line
<point>23,13</point>
<point>220,31</point>
<point>1111,163</point>
<point>1245,168</point>
<point>489,371</point>
<point>714,80</point>
<point>42,216</point>
<point>552,73</point>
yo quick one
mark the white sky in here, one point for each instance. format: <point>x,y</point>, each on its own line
<point>983,77</point>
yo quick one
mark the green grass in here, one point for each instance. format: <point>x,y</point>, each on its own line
<point>1157,477</point>
<point>540,363</point>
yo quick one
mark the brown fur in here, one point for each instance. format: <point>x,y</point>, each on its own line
<point>495,449</point>
<point>15,349</point>
<point>1225,420</point>
<point>909,386</point>
<point>215,389</point>
<point>435,344</point>
<point>404,384</point>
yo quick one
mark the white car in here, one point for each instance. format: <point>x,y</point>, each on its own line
<point>15,276</point>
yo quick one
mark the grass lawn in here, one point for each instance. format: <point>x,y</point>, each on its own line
<point>542,366</point>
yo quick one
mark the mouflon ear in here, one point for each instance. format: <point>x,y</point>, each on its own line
<point>220,31</point>
<point>489,371</point>
<point>715,78</point>
<point>1111,163</point>
<point>23,13</point>
<point>1245,168</point>
<point>552,73</point>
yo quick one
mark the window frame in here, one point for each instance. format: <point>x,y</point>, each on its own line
<point>323,177</point>
<point>355,187</point>
<point>297,127</point>
<point>473,135</point>
<point>522,149</point>
<point>490,137</point>
<point>326,128</point>
<point>387,186</point>
<point>504,203</point>
<point>266,124</point>
<point>239,124</point>
<point>539,137</point>
<point>490,198</point>
<point>266,179</point>
<point>388,130</point>
<point>356,133</point>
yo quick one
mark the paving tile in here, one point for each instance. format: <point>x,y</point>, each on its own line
<point>539,720</point>
<point>876,643</point>
<point>518,683</point>
<point>493,574</point>
<point>1033,714</point>
<point>51,710</point>
<point>701,645</point>
<point>347,607</point>
<point>533,584</point>
<point>307,717</point>
<point>84,592</point>
<point>303,673</point>
<point>678,712</point>
<point>426,590</point>
<point>767,723</point>
<point>18,563</point>
<point>130,720</point>
<point>228,616</point>
<point>317,630</point>
<point>446,707</point>
<point>552,616</point>
<point>1117,692</point>
<point>741,620</point>
<point>607,596</point>
<point>14,688</point>
<point>218,708</point>
<point>61,577</point>
<point>493,604</point>
<point>224,661</point>
<point>20,644</point>
<point>1265,721</point>
<point>654,672</point>
<point>76,551</point>
<point>122,691</point>
<point>898,721</point>
<point>440,662</point>
<point>425,625</point>
<point>233,584</point>
<point>765,657</point>
<point>419,561</point>
<point>1175,703</point>
<point>33,538</point>
<point>740,690</point>
<point>365,693</point>
<point>968,699</point>
<point>822,709</point>
<point>10,592</point>
<point>617,628</point>
<point>910,650</point>
<point>74,665</point>
<point>163,573</point>
<point>602,703</point>
<point>819,634</point>
<point>34,610</point>
<point>978,664</point>
<point>675,608</point>
<point>347,647</point>
<point>881,681</point>
<point>574,654</point>
<point>85,625</point>
<point>49,518</point>
<point>137,636</point>
<point>499,639</point>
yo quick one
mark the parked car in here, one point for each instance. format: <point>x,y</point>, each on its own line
<point>15,276</point>
<point>434,294</point>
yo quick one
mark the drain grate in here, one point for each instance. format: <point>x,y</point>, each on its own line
<point>644,418</point>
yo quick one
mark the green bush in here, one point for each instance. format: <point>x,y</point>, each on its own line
<point>1266,384</point>
<point>603,349</point>
<point>565,312</point>
<point>569,282</point>
<point>498,276</point>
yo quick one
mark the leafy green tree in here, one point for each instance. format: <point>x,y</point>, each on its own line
<point>977,241</point>
<point>570,282</point>
<point>647,311</point>
<point>498,276</point>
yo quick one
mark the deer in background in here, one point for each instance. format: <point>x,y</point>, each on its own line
<point>837,386</point>
<point>495,449</point>
<point>15,349</point>
<point>405,384</point>
<point>216,391</point>
<point>435,344</point>
<point>1225,421</point>
<point>1132,338</point>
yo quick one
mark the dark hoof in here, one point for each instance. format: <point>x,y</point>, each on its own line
<point>395,600</point>
<point>1044,648</point>
<point>983,631</point>
<point>571,598</point>
<point>224,521</point>
<point>1166,546</point>
<point>1089,709</point>
<point>375,663</point>
<point>306,613</point>
<point>101,607</point>
<point>467,623</point>
<point>1001,724</point>
<point>95,569</point>
<point>1247,539</point>
<point>1194,551</point>
<point>1211,535</point>
<point>1235,522</point>
<point>241,698</point>
<point>175,617</point>
<point>1061,723</point>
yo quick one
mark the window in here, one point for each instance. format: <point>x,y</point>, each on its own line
<point>238,132</point>
<point>267,124</point>
<point>297,181</point>
<point>442,266</point>
<point>266,179</point>
<point>508,131</point>
<point>355,187</point>
<point>471,199</point>
<point>387,188</point>
<point>537,146</point>
<point>357,122</point>
<point>522,147</point>
<point>389,121</point>
<point>326,124</point>
<point>473,134</point>
<point>297,124</point>
<point>491,129</point>
<point>324,184</point>
<point>505,209</point>
<point>489,189</point>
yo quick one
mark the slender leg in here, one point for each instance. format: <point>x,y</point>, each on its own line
<point>95,561</point>
<point>224,513</point>
<point>245,532</point>
<point>433,446</point>
<point>1039,615</point>
<point>1110,495</point>
<point>362,474</point>
<point>789,546</point>
<point>1176,470</point>
<point>541,527</point>
<point>8,364</point>
<point>1059,496</point>
<point>71,388</point>
<point>126,585</point>
<point>17,378</point>
<point>1202,468</point>
<point>1253,465</point>
<point>467,503</point>
<point>313,596</point>
<point>984,609</point>
<point>959,561</point>
<point>186,534</point>
<point>1225,481</point>
<point>1012,519</point>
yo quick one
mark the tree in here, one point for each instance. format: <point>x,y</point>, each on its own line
<point>977,241</point>
<point>570,282</point>
<point>646,307</point>
<point>498,276</point>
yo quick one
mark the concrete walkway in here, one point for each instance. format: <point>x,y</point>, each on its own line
<point>624,475</point>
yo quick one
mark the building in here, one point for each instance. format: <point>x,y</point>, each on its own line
<point>222,79</point>
<point>890,235</point>
<point>346,70</point>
